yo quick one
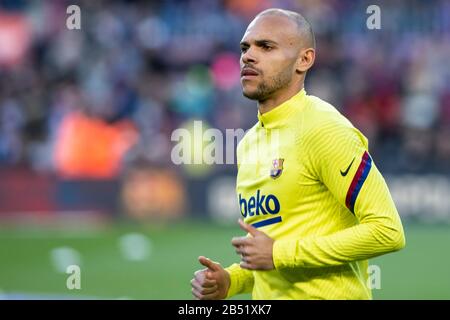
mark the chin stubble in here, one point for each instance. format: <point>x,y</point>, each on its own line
<point>266,88</point>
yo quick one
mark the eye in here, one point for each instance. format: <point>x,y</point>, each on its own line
<point>266,47</point>
<point>244,49</point>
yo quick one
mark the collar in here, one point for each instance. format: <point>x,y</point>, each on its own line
<point>279,115</point>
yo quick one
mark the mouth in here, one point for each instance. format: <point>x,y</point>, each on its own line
<point>248,73</point>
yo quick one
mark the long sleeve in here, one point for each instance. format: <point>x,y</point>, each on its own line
<point>332,148</point>
<point>241,280</point>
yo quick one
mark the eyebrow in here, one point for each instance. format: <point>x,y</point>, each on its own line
<point>259,43</point>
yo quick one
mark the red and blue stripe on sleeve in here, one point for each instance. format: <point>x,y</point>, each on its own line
<point>358,181</point>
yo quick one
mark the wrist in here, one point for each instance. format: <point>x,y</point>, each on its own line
<point>232,283</point>
<point>284,253</point>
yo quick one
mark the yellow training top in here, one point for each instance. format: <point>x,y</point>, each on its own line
<point>306,179</point>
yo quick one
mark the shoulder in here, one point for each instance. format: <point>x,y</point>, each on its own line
<point>322,113</point>
<point>323,123</point>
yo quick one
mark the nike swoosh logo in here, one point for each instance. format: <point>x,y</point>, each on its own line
<point>348,168</point>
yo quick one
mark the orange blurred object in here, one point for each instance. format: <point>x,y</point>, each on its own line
<point>153,193</point>
<point>91,148</point>
<point>248,8</point>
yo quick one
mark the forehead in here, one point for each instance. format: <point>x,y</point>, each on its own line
<point>271,27</point>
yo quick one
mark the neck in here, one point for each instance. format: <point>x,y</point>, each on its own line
<point>277,99</point>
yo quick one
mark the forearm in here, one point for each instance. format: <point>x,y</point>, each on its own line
<point>359,242</point>
<point>241,280</point>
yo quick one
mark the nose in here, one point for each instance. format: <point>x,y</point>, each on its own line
<point>248,56</point>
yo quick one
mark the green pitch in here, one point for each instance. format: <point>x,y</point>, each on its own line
<point>161,265</point>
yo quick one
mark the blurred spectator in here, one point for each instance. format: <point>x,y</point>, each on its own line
<point>99,99</point>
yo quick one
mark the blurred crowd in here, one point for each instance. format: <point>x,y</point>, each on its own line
<point>94,101</point>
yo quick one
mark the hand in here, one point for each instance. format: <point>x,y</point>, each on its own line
<point>211,283</point>
<point>256,250</point>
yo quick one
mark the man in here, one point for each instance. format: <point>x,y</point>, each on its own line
<point>315,206</point>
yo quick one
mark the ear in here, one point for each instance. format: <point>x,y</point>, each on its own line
<point>305,60</point>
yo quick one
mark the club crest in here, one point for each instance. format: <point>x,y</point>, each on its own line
<point>277,168</point>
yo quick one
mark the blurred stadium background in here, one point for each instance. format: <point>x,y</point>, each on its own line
<point>86,118</point>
